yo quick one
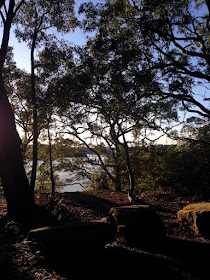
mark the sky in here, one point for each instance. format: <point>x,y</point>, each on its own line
<point>22,53</point>
<point>21,50</point>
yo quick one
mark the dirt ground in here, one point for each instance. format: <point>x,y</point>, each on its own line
<point>182,257</point>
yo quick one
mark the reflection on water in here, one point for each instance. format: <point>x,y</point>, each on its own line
<point>76,186</point>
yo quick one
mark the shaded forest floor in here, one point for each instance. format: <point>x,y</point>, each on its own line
<point>183,256</point>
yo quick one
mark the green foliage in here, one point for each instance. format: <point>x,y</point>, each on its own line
<point>62,150</point>
<point>67,148</point>
<point>172,38</point>
<point>43,182</point>
<point>100,180</point>
<point>37,16</point>
<point>186,170</point>
<point>182,169</point>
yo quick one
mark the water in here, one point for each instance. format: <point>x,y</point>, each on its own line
<point>70,181</point>
<point>77,183</point>
<point>76,186</point>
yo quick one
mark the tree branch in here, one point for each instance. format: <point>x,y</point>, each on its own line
<point>194,74</point>
<point>18,7</point>
<point>2,16</point>
<point>2,2</point>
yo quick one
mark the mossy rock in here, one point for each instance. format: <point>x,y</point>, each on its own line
<point>197,217</point>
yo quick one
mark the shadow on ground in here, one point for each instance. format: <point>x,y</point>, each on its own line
<point>179,260</point>
<point>90,201</point>
<point>117,263</point>
<point>8,236</point>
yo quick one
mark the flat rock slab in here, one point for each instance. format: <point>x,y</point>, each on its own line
<point>197,217</point>
<point>73,237</point>
<point>138,225</point>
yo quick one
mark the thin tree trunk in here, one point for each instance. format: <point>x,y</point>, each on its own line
<point>129,168</point>
<point>118,171</point>
<point>118,186</point>
<point>35,117</point>
<point>17,192</point>
<point>51,161</point>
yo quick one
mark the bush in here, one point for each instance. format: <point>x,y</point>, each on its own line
<point>100,180</point>
<point>185,170</point>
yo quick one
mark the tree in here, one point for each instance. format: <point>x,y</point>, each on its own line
<point>184,169</point>
<point>109,100</point>
<point>14,180</point>
<point>176,39</point>
<point>37,18</point>
<point>178,34</point>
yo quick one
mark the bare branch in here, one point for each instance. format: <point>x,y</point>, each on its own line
<point>2,16</point>
<point>5,8</point>
<point>94,151</point>
<point>195,54</point>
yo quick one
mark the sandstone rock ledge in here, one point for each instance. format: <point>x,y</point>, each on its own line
<point>74,238</point>
<point>138,225</point>
<point>197,217</point>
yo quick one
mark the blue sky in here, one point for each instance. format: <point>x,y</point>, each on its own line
<point>22,53</point>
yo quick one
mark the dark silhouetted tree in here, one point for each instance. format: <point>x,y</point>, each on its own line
<point>14,180</point>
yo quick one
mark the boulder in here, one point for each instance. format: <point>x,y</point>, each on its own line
<point>138,225</point>
<point>197,217</point>
<point>74,238</point>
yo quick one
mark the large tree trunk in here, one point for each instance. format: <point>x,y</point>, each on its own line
<point>17,192</point>
<point>14,180</point>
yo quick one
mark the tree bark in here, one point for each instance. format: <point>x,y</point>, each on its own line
<point>131,196</point>
<point>14,180</point>
<point>118,170</point>
<point>117,167</point>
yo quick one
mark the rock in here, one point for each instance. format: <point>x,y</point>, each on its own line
<point>197,217</point>
<point>74,238</point>
<point>138,225</point>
